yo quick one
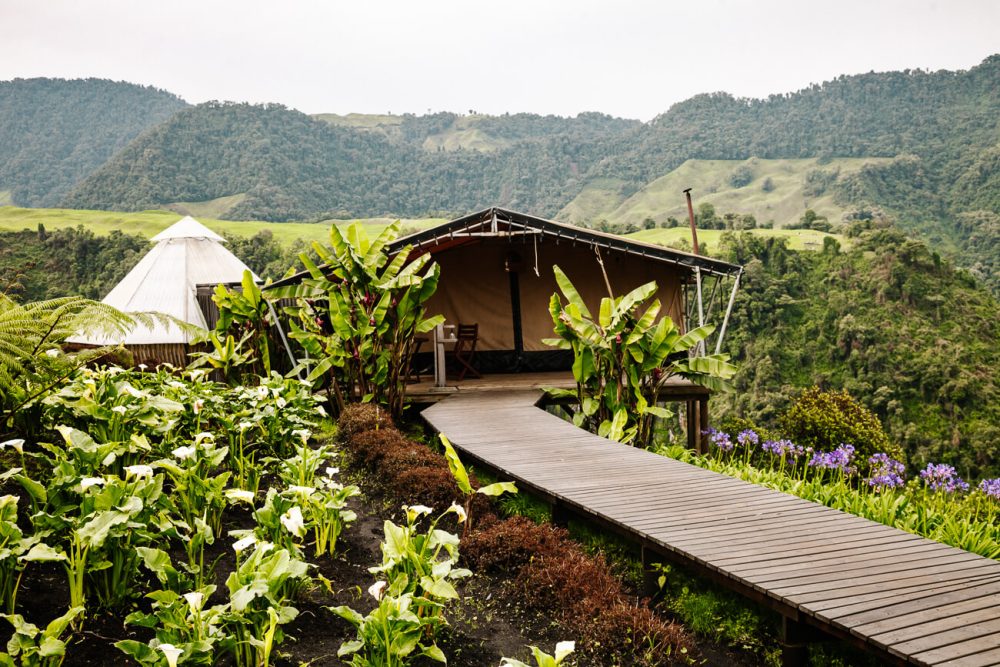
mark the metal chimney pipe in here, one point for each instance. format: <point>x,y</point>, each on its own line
<point>694,230</point>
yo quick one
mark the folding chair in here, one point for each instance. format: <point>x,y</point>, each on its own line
<point>466,337</point>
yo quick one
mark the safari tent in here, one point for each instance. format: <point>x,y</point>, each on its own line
<point>176,277</point>
<point>496,271</point>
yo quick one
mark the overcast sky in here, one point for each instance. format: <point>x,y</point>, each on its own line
<point>631,58</point>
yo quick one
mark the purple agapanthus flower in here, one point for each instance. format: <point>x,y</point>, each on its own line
<point>942,477</point>
<point>747,438</point>
<point>886,472</point>
<point>783,448</point>
<point>722,441</point>
<point>991,487</point>
<point>839,459</point>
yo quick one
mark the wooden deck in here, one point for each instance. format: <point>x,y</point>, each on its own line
<point>905,598</point>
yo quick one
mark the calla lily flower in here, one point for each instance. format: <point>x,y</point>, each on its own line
<point>240,545</point>
<point>184,453</point>
<point>16,443</point>
<point>88,482</point>
<point>377,590</point>
<point>240,496</point>
<point>302,433</point>
<point>139,471</point>
<point>563,649</point>
<point>414,511</point>
<point>120,409</point>
<point>460,511</point>
<point>302,490</point>
<point>195,599</point>
<point>171,653</point>
<point>293,522</point>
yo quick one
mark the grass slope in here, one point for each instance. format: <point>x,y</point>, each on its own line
<point>709,239</point>
<point>783,204</point>
<point>150,223</point>
<point>213,208</point>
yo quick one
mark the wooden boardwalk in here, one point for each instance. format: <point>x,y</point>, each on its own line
<point>903,597</point>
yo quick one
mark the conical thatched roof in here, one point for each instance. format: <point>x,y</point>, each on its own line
<point>186,254</point>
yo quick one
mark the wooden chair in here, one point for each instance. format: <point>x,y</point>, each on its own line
<point>466,337</point>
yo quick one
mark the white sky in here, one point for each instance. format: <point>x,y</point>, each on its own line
<point>631,58</point>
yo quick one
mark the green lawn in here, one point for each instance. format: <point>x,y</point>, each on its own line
<point>149,223</point>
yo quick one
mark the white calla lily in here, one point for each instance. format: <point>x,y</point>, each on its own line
<point>16,443</point>
<point>303,433</point>
<point>240,496</point>
<point>88,482</point>
<point>294,522</point>
<point>119,409</point>
<point>460,511</point>
<point>302,490</point>
<point>184,453</point>
<point>414,511</point>
<point>377,590</point>
<point>171,653</point>
<point>330,472</point>
<point>241,544</point>
<point>195,599</point>
<point>139,471</point>
<point>563,649</point>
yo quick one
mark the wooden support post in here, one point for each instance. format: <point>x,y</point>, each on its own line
<point>560,514</point>
<point>795,639</point>
<point>692,426</point>
<point>650,585</point>
<point>702,425</point>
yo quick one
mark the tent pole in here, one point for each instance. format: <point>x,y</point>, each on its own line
<point>284,340</point>
<point>439,361</point>
<point>701,309</point>
<point>729,310</point>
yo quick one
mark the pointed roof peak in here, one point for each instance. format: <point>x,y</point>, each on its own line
<point>187,228</point>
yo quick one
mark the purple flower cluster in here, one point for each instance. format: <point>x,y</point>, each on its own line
<point>839,459</point>
<point>886,472</point>
<point>942,477</point>
<point>785,448</point>
<point>747,438</point>
<point>991,487</point>
<point>722,441</point>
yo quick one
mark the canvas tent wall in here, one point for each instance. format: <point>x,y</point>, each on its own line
<point>185,255</point>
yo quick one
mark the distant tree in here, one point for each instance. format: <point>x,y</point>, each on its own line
<point>767,185</point>
<point>671,223</point>
<point>649,223</point>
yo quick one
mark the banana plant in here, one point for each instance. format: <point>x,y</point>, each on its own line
<point>624,357</point>
<point>461,476</point>
<point>356,315</point>
<point>225,356</point>
<point>246,314</point>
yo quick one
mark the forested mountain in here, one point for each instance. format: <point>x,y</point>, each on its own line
<point>889,321</point>
<point>286,165</point>
<point>54,132</point>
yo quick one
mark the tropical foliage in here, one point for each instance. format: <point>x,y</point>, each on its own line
<point>623,358</point>
<point>356,315</point>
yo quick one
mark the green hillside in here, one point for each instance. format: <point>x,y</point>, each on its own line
<point>710,240</point>
<point>54,132</point>
<point>775,192</point>
<point>149,223</point>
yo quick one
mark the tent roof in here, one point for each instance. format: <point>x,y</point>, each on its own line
<point>501,222</point>
<point>187,228</point>
<point>165,280</point>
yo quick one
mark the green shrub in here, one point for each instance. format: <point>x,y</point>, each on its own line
<point>826,419</point>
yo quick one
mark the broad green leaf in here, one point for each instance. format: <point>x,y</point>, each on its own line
<point>497,489</point>
<point>439,588</point>
<point>569,291</point>
<point>434,653</point>
<point>455,465</point>
<point>42,552</point>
